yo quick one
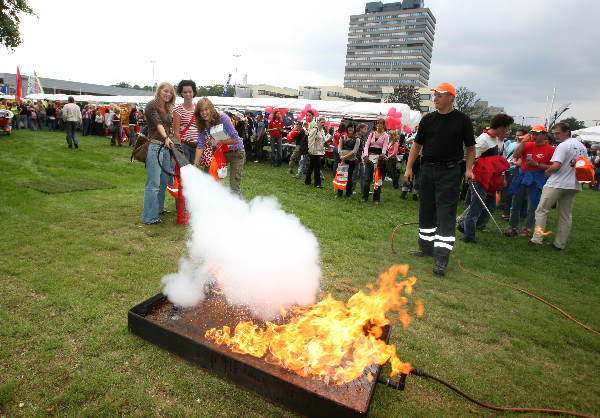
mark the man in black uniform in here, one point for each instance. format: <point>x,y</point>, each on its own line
<point>441,136</point>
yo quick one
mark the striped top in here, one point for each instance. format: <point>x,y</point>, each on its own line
<point>191,135</point>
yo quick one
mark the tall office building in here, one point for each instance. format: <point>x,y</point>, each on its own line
<point>389,44</point>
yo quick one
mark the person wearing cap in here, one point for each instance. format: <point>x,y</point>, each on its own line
<point>561,187</point>
<point>441,136</point>
<point>528,183</point>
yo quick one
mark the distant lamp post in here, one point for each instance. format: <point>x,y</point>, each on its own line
<point>153,62</point>
<point>236,56</point>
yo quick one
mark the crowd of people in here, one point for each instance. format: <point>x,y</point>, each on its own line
<point>525,175</point>
<point>119,123</point>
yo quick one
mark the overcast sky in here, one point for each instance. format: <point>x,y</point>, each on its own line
<point>512,53</point>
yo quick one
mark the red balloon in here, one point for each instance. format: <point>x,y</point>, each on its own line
<point>269,110</point>
<point>388,123</point>
<point>407,129</point>
<point>316,113</point>
<point>391,111</point>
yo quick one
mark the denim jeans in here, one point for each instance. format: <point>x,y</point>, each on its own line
<point>366,184</point>
<point>51,125</point>
<point>302,166</point>
<point>393,169</point>
<point>358,169</point>
<point>42,121</point>
<point>71,128</point>
<point>156,183</point>
<point>85,127</point>
<point>31,123</point>
<point>515,209</point>
<point>117,134</point>
<point>336,161</point>
<point>14,122</point>
<point>477,215</point>
<point>276,153</point>
<point>189,151</point>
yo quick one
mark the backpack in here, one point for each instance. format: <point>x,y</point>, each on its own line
<point>140,151</point>
<point>584,171</point>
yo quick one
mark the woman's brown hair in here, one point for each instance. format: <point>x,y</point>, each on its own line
<point>213,117</point>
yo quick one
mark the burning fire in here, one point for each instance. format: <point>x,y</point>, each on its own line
<point>330,340</point>
<point>540,231</point>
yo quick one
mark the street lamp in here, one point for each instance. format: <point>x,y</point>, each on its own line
<point>153,62</point>
<point>236,56</point>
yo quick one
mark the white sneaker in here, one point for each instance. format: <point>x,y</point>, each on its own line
<point>388,179</point>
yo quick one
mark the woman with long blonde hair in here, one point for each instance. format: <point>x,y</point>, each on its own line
<point>208,117</point>
<point>159,121</point>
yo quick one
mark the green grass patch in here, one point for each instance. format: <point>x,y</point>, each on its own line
<point>73,264</point>
<point>67,185</point>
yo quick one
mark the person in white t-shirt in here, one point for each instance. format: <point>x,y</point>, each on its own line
<point>561,186</point>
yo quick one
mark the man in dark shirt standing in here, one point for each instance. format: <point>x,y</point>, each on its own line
<point>441,136</point>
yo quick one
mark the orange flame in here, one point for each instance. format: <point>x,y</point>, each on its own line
<point>330,340</point>
<point>540,231</point>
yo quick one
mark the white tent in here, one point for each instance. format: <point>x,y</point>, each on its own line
<point>329,109</point>
<point>591,134</point>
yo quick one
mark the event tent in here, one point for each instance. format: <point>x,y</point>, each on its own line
<point>329,109</point>
<point>591,134</point>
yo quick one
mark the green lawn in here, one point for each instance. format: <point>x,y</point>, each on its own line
<point>74,263</point>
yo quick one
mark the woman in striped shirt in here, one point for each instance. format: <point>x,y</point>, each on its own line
<point>185,128</point>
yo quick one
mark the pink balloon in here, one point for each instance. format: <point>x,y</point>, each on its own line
<point>388,123</point>
<point>398,115</point>
<point>283,111</point>
<point>407,129</point>
<point>392,111</point>
<point>398,124</point>
<point>316,113</point>
<point>269,110</point>
<point>307,107</point>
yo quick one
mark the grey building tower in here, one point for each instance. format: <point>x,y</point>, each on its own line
<point>389,44</point>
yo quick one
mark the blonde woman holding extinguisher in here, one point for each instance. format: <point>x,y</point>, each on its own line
<point>185,128</point>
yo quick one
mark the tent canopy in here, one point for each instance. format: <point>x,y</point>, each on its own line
<point>329,109</point>
<point>591,134</point>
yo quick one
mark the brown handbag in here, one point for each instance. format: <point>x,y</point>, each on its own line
<point>140,151</point>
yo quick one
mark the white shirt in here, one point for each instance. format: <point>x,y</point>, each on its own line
<point>566,153</point>
<point>484,142</point>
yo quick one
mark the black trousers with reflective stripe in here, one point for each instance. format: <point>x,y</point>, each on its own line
<point>439,192</point>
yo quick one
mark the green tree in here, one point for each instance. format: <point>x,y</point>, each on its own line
<point>9,21</point>
<point>574,124</point>
<point>122,84</point>
<point>465,101</point>
<point>407,94</point>
<point>215,90</point>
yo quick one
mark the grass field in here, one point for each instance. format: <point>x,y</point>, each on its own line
<point>74,263</point>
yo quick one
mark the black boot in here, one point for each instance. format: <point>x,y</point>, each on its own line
<point>403,194</point>
<point>439,265</point>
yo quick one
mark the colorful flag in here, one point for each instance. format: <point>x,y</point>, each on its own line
<point>38,84</point>
<point>226,85</point>
<point>19,85</point>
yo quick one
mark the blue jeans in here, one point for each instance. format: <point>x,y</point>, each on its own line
<point>51,125</point>
<point>31,123</point>
<point>359,169</point>
<point>477,215</point>
<point>117,135</point>
<point>515,209</point>
<point>276,153</point>
<point>336,161</point>
<point>189,151</point>
<point>366,184</point>
<point>301,166</point>
<point>71,128</point>
<point>85,127</point>
<point>156,183</point>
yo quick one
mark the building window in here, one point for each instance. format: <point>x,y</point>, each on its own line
<point>425,97</point>
<point>424,108</point>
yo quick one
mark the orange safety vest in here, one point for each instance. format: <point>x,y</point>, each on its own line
<point>341,179</point>
<point>584,170</point>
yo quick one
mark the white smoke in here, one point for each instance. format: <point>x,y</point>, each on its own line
<point>262,257</point>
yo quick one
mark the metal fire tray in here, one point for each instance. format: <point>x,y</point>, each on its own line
<point>185,338</point>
